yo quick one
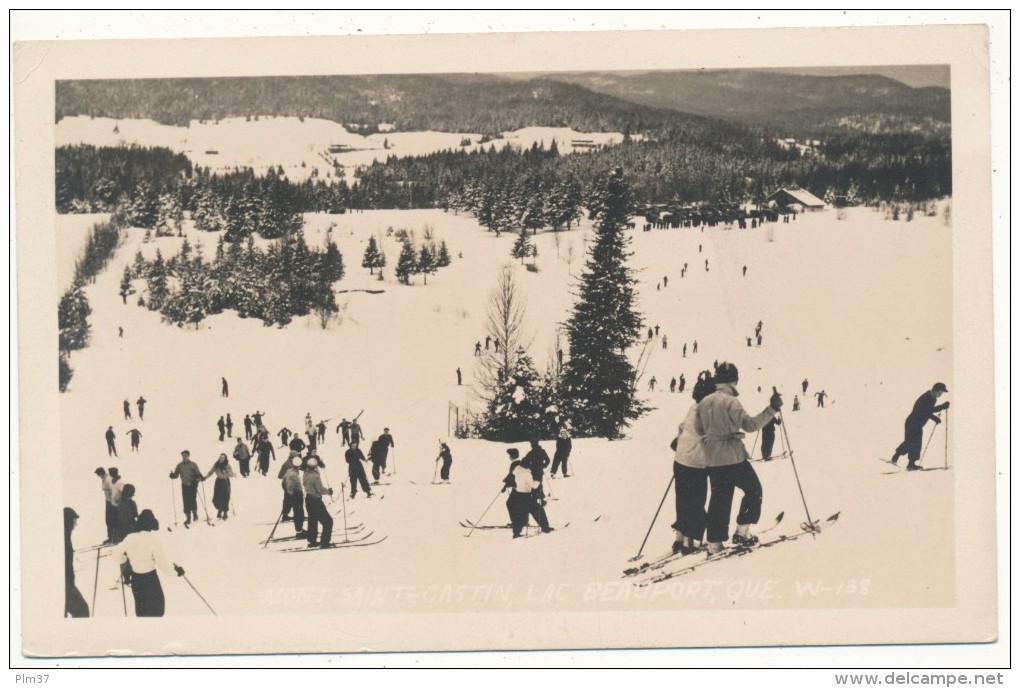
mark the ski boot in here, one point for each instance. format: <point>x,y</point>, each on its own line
<point>914,467</point>
<point>715,549</point>
<point>743,538</point>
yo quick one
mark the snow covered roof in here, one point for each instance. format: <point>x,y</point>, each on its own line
<point>802,196</point>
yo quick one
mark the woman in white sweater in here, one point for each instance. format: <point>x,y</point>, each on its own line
<point>140,555</point>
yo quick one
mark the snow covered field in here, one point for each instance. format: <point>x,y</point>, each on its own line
<point>298,146</point>
<point>839,305</point>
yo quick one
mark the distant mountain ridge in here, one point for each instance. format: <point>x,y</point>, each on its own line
<point>756,96</point>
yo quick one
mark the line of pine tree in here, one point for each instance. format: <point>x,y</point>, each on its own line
<point>424,261</point>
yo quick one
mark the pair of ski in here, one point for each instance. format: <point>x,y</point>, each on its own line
<point>363,541</point>
<point>437,482</point>
<point>738,551</point>
<point>351,530</point>
<point>668,558</point>
<point>470,524</point>
<point>900,469</point>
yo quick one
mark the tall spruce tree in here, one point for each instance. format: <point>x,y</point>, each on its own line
<point>443,257</point>
<point>373,258</point>
<point>426,262</point>
<point>598,380</point>
<point>522,247</point>
<point>406,263</point>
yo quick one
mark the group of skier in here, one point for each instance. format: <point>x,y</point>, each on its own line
<point>525,482</point>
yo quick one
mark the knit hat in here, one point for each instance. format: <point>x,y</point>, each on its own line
<point>940,387</point>
<point>726,373</point>
<point>100,471</point>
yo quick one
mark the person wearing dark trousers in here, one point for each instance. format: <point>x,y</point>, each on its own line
<point>127,513</point>
<point>447,458</point>
<point>247,427</point>
<point>924,410</point>
<point>284,436</point>
<point>385,441</point>
<point>356,471</point>
<point>376,460</point>
<point>224,387</point>
<point>230,426</point>
<point>111,510</point>
<point>296,444</point>
<point>768,437</point>
<point>293,494</point>
<point>821,398</point>
<point>562,453</point>
<point>75,605</point>
<point>141,408</point>
<point>136,437</point>
<point>459,377</point>
<point>140,555</point>
<point>722,421</point>
<point>682,383</point>
<point>243,457</point>
<point>317,512</point>
<point>344,428</point>
<point>321,428</point>
<point>187,470</point>
<point>221,425</point>
<point>111,444</point>
<point>264,449</point>
<point>356,434</point>
<point>524,499</point>
<point>127,410</point>
<point>690,475</point>
<point>537,460</point>
<point>803,386</point>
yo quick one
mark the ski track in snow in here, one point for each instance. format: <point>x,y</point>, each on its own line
<point>839,305</point>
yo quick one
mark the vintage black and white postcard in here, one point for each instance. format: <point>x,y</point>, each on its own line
<point>505,341</point>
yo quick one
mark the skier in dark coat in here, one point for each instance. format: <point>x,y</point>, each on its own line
<point>243,457</point>
<point>768,437</point>
<point>247,427</point>
<point>344,427</point>
<point>111,446</point>
<point>459,377</point>
<point>135,436</point>
<point>356,434</point>
<point>913,428</point>
<point>221,488</point>
<point>256,418</point>
<point>672,385</point>
<point>284,436</point>
<point>384,443</point>
<point>682,383</point>
<point>356,471</point>
<point>224,387</point>
<point>525,496</point>
<point>221,425</point>
<point>141,408</point>
<point>537,460</point>
<point>796,404</point>
<point>263,448</point>
<point>447,458</point>
<point>821,398</point>
<point>321,428</point>
<point>75,605</point>
<point>296,444</point>
<point>230,426</point>
<point>803,386</point>
<point>127,410</point>
<point>190,477</point>
<point>562,453</point>
<point>127,513</point>
<point>317,512</point>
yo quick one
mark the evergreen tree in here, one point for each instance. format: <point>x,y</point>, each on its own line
<point>73,320</point>
<point>157,282</point>
<point>443,257</point>
<point>406,263</point>
<point>169,216</point>
<point>143,209</point>
<point>426,262</point>
<point>598,380</point>
<point>65,372</point>
<point>140,266</point>
<point>517,410</point>
<point>373,258</point>
<point>522,247</point>
<point>125,283</point>
<point>332,263</point>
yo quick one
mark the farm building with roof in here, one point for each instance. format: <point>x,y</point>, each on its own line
<point>800,199</point>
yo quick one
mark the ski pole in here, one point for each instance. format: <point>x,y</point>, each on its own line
<point>95,585</point>
<point>930,437</point>
<point>273,531</point>
<point>435,472</point>
<point>394,460</point>
<point>755,443</point>
<point>204,507</point>
<point>945,464</point>
<point>199,595</point>
<point>343,500</point>
<point>479,521</point>
<point>326,476</point>
<point>123,595</point>
<point>789,450</point>
<point>654,518</point>
<point>173,500</point>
